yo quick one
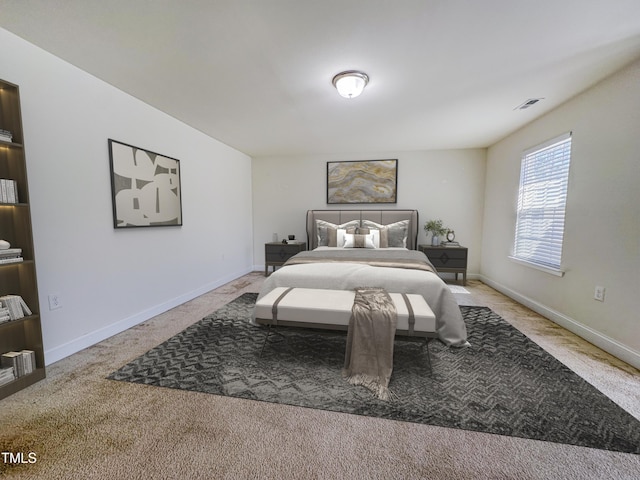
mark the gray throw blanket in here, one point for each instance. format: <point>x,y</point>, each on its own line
<point>369,354</point>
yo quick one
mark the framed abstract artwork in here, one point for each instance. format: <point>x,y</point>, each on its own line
<point>362,181</point>
<point>145,187</point>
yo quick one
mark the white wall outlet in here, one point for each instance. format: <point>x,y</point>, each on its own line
<point>599,293</point>
<point>55,301</point>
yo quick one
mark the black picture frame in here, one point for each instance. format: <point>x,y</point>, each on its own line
<point>145,187</point>
<point>362,181</point>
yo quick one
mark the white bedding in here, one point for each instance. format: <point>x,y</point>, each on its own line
<point>348,276</point>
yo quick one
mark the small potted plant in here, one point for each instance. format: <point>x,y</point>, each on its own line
<point>437,229</point>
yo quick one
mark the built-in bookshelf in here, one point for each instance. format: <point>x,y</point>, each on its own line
<point>22,332</point>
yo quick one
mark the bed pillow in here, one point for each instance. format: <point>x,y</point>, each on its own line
<point>358,241</point>
<point>340,236</point>
<point>383,233</point>
<point>392,235</point>
<point>374,232</point>
<point>326,232</point>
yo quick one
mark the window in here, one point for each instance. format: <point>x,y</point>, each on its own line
<point>542,197</point>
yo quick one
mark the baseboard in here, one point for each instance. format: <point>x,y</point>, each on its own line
<point>85,341</point>
<point>595,337</point>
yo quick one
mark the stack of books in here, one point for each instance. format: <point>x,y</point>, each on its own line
<point>16,306</point>
<point>5,315</point>
<point>8,191</point>
<point>6,135</point>
<point>450,244</point>
<point>11,255</point>
<point>6,375</point>
<point>23,362</point>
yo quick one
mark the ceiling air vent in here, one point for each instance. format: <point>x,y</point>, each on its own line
<point>528,103</point>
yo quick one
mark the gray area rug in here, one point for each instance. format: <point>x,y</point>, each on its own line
<point>503,384</point>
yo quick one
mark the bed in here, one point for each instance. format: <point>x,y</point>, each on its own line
<point>349,249</point>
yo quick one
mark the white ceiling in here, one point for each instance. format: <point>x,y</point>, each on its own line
<point>256,74</point>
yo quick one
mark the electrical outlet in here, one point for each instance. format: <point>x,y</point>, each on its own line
<point>599,293</point>
<point>55,301</point>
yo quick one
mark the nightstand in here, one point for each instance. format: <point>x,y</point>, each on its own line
<point>447,259</point>
<point>276,253</point>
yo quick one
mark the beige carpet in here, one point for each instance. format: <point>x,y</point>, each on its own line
<point>82,426</point>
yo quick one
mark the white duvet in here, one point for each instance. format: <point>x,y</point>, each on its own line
<point>348,276</point>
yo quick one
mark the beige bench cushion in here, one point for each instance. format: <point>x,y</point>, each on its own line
<point>333,307</point>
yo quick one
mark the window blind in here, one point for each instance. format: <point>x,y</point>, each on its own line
<point>542,196</point>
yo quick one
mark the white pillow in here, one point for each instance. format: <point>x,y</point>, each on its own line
<point>350,240</point>
<point>375,234</point>
<point>340,234</point>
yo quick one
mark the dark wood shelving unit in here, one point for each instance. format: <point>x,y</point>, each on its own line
<point>15,227</point>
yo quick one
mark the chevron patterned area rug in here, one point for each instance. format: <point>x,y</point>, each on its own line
<point>503,384</point>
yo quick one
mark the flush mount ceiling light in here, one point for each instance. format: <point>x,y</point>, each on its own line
<point>351,83</point>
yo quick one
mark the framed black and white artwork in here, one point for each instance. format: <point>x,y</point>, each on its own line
<point>145,187</point>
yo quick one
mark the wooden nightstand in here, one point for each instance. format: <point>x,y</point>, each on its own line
<point>276,253</point>
<point>447,259</point>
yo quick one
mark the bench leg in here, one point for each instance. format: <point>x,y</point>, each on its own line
<point>266,337</point>
<point>426,344</point>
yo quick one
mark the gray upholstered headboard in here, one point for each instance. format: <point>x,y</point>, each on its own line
<point>383,217</point>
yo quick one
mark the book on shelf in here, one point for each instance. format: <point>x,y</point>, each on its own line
<point>11,253</point>
<point>25,307</point>
<point>14,360</point>
<point>29,359</point>
<point>6,135</point>
<point>11,260</point>
<point>17,307</point>
<point>5,316</point>
<point>22,362</point>
<point>12,191</point>
<point>6,375</point>
<point>8,191</point>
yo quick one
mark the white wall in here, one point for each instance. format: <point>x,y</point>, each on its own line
<point>602,237</point>
<point>439,184</point>
<point>109,280</point>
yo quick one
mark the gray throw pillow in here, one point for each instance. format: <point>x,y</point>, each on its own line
<point>396,233</point>
<point>326,236</point>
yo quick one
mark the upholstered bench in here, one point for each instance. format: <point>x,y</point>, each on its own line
<point>331,309</point>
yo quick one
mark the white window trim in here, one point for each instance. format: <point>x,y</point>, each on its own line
<point>548,143</point>
<point>553,270</point>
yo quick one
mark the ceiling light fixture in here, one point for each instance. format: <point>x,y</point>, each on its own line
<point>351,83</point>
